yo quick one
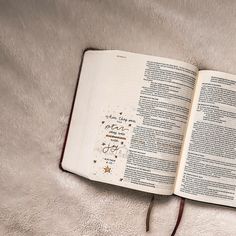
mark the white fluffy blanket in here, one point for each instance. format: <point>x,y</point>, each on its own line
<point>40,51</point>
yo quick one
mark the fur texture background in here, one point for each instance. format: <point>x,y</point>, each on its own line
<point>41,44</point>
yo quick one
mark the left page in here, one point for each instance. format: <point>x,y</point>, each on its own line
<point>128,120</point>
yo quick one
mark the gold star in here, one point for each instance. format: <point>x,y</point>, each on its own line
<point>107,169</point>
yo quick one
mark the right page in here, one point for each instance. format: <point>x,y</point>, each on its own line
<point>207,169</point>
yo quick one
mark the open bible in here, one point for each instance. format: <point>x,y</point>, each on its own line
<point>154,124</point>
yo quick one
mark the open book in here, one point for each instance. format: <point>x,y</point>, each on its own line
<point>156,125</point>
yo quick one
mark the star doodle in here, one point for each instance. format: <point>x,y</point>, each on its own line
<point>107,169</point>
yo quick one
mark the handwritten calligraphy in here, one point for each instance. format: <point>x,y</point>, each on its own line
<point>113,141</point>
<point>116,127</point>
<point>110,148</point>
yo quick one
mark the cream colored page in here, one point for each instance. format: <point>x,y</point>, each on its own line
<point>208,162</point>
<point>133,119</point>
